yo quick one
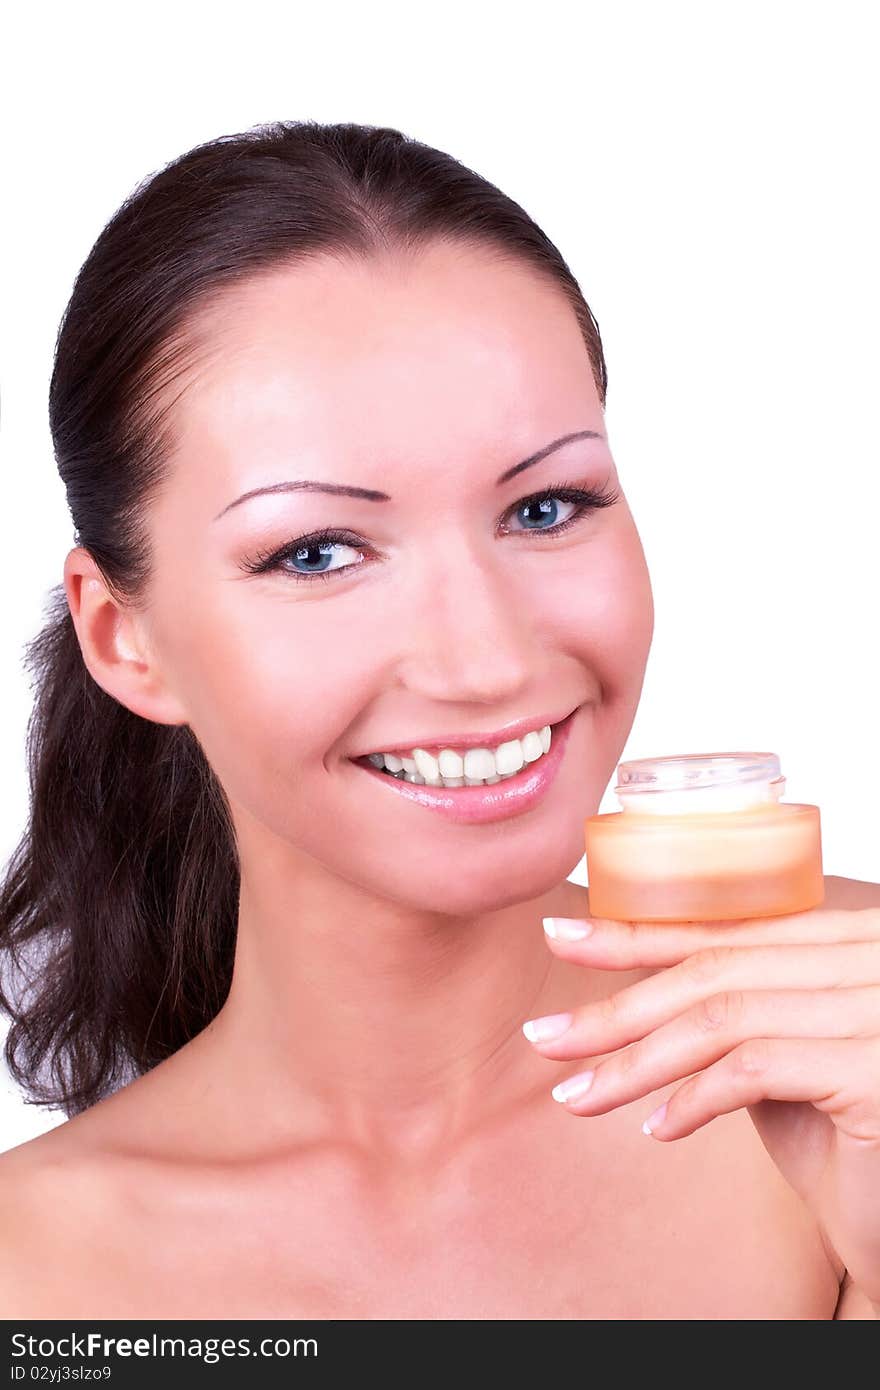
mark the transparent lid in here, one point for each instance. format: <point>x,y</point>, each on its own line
<point>699,781</point>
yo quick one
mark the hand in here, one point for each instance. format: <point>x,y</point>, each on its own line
<point>777,1014</point>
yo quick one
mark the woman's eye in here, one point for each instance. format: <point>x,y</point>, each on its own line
<point>316,555</point>
<point>535,515</point>
<point>311,557</point>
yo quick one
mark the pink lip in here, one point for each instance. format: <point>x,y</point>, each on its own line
<point>474,805</point>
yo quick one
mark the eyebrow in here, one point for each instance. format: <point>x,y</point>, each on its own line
<point>369,494</point>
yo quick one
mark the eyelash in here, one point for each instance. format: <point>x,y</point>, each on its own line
<point>587,499</point>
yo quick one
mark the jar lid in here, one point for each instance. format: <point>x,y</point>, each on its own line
<point>682,771</point>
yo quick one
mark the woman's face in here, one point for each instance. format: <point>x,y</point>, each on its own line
<point>445,609</point>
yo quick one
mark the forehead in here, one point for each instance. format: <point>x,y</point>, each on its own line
<point>450,349</point>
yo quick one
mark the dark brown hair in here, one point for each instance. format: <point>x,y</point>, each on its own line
<point>118,907</point>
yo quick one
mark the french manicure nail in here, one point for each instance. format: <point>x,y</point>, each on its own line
<point>574,1088</point>
<point>567,928</point>
<point>550,1026</point>
<point>654,1120</point>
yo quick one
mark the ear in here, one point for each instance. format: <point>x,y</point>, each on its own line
<point>115,645</point>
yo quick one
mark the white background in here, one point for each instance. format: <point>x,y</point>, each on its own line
<point>708,172</point>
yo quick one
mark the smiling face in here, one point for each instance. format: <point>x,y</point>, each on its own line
<point>447,608</point>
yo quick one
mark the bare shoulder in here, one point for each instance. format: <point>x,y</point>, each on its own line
<point>26,1176</point>
<point>47,1184</point>
<point>25,1188</point>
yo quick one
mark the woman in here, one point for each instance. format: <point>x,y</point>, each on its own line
<point>329,409</point>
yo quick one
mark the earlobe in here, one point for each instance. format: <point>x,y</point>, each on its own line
<point>115,646</point>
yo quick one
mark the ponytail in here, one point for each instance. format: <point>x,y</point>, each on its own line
<point>118,907</point>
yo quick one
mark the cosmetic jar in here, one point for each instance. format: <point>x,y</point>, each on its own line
<point>703,837</point>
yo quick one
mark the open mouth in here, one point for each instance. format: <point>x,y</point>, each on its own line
<point>409,773</point>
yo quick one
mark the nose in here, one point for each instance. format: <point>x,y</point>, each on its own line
<point>465,634</point>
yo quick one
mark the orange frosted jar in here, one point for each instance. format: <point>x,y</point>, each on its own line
<point>703,837</point>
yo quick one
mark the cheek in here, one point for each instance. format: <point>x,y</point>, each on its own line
<point>606,624</point>
<point>270,686</point>
<point>625,613</point>
<point>603,610</point>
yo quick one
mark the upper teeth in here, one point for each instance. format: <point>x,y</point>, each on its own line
<point>474,765</point>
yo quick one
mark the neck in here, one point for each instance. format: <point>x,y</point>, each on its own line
<point>391,1029</point>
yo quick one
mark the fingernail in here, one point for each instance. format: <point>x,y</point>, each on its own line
<point>574,1087</point>
<point>567,928</point>
<point>654,1120</point>
<point>550,1026</point>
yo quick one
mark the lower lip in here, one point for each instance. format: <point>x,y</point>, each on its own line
<point>474,805</point>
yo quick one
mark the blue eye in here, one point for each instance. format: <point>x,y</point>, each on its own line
<point>314,550</point>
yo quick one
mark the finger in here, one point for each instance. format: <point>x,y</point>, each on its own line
<point>837,1076</point>
<point>613,945</point>
<point>632,1012</point>
<point>719,1025</point>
